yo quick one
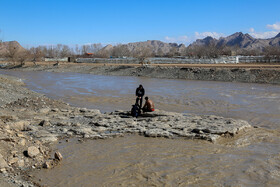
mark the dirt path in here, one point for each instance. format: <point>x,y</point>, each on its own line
<point>169,65</point>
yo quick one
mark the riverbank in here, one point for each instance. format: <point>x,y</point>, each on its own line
<point>31,123</point>
<point>248,73</point>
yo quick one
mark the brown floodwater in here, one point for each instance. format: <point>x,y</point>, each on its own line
<point>140,161</point>
<point>249,159</point>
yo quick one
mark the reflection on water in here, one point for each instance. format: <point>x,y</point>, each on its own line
<point>249,159</point>
<point>257,103</point>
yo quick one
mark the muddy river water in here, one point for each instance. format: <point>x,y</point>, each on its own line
<point>249,159</point>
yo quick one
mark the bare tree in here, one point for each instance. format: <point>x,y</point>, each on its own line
<point>57,50</point>
<point>49,51</point>
<point>160,53</point>
<point>272,50</point>
<point>77,50</point>
<point>202,51</point>
<point>85,49</point>
<point>120,51</point>
<point>11,52</point>
<point>272,53</point>
<point>142,53</point>
<point>36,53</point>
<point>103,54</point>
<point>88,48</point>
<point>172,52</point>
<point>65,51</point>
<point>22,57</point>
<point>95,47</point>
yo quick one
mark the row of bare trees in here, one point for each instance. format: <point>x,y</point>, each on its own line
<point>61,51</point>
<point>35,54</point>
<point>16,54</point>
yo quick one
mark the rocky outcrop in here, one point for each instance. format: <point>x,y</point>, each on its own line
<point>88,123</point>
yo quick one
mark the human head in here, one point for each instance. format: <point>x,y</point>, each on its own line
<point>146,98</point>
<point>140,86</point>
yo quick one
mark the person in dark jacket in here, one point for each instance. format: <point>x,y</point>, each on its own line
<point>140,92</point>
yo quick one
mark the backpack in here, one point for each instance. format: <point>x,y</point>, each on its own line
<point>135,110</point>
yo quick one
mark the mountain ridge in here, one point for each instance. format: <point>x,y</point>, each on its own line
<point>241,40</point>
<point>237,40</point>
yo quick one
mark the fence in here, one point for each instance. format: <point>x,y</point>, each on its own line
<point>259,59</point>
<point>66,59</point>
<point>109,60</point>
<point>181,60</point>
<point>221,60</point>
<point>184,60</point>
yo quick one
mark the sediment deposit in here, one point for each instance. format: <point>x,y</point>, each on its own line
<point>208,73</point>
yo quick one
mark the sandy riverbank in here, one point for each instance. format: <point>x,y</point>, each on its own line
<point>31,123</point>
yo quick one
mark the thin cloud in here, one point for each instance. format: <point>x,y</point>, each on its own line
<point>274,30</point>
<point>188,39</point>
<point>205,34</point>
<point>252,30</point>
<point>264,35</point>
<point>275,26</point>
<point>180,39</point>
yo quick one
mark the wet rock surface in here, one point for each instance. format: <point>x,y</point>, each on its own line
<point>87,123</point>
<point>30,123</point>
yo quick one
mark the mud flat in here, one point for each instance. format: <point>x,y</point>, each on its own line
<point>31,123</point>
<point>242,73</point>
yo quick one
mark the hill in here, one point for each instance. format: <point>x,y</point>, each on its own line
<point>10,47</point>
<point>239,40</point>
<point>150,46</point>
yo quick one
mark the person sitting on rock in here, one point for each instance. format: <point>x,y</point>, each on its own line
<point>135,110</point>
<point>148,106</point>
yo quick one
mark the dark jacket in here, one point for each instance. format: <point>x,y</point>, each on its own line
<point>140,92</point>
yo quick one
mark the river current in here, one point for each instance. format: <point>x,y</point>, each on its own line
<point>249,159</point>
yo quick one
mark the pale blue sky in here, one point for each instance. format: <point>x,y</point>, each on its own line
<point>43,22</point>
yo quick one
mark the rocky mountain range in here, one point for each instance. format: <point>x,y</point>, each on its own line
<point>154,46</point>
<point>240,40</point>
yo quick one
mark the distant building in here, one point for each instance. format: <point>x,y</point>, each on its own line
<point>88,54</point>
